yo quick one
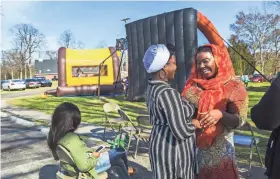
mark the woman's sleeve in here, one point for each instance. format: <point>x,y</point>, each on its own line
<point>238,104</point>
<point>178,117</point>
<point>81,155</point>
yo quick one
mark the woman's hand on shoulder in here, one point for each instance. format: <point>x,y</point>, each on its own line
<point>211,118</point>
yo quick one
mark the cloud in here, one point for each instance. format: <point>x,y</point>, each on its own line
<point>14,12</point>
<point>52,42</point>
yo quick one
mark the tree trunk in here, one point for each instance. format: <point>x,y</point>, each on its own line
<point>25,74</point>
<point>262,61</point>
<point>12,74</point>
<point>241,68</point>
<point>30,71</point>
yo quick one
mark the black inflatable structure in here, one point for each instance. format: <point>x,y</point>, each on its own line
<point>177,27</point>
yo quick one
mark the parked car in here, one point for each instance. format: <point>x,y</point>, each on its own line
<point>258,78</point>
<point>2,81</point>
<point>40,79</point>
<point>13,85</point>
<point>46,83</point>
<point>32,83</point>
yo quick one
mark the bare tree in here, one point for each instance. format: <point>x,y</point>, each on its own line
<point>67,40</point>
<point>11,63</point>
<point>52,55</point>
<point>27,40</point>
<point>101,44</point>
<point>254,29</point>
<point>274,46</point>
<point>80,45</point>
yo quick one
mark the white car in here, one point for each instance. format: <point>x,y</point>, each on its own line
<point>13,85</point>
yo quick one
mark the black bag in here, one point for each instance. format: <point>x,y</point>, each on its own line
<point>271,150</point>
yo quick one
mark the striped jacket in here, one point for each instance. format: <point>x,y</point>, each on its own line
<point>172,141</point>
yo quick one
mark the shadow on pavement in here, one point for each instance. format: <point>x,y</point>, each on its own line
<point>48,172</point>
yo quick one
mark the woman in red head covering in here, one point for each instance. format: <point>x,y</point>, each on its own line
<point>222,104</point>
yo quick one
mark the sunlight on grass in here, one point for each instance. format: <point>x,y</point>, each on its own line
<point>255,92</point>
<point>92,112</point>
<point>91,107</point>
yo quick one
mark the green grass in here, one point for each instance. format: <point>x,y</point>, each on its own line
<point>92,112</point>
<point>255,92</point>
<point>91,107</point>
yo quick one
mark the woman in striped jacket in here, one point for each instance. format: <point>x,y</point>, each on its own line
<point>172,141</point>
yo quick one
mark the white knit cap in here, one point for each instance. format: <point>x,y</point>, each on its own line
<point>156,57</point>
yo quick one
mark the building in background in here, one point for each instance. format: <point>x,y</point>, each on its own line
<point>46,68</point>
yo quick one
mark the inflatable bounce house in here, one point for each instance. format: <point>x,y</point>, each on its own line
<point>78,72</point>
<point>78,69</point>
<point>178,27</point>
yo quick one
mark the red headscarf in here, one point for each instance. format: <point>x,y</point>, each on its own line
<point>214,94</point>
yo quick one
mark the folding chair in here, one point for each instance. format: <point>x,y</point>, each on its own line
<point>248,141</point>
<point>145,128</point>
<point>66,158</point>
<point>133,130</point>
<point>111,108</point>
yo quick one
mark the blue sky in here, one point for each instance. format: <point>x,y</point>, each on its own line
<point>92,22</point>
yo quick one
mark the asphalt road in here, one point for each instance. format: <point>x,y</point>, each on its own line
<point>27,92</point>
<point>24,152</point>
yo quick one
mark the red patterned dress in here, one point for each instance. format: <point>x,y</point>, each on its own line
<point>218,161</point>
<point>216,154</point>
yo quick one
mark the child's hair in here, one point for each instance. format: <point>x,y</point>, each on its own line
<point>66,118</point>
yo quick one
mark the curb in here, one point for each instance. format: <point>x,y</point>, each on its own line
<point>16,115</point>
<point>28,119</point>
<point>24,122</point>
<point>27,123</point>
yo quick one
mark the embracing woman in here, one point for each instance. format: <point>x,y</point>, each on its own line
<point>222,106</point>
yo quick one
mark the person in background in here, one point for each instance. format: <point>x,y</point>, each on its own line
<point>125,82</point>
<point>245,80</point>
<point>172,139</point>
<point>65,120</point>
<point>79,72</point>
<point>222,103</point>
<point>266,116</point>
